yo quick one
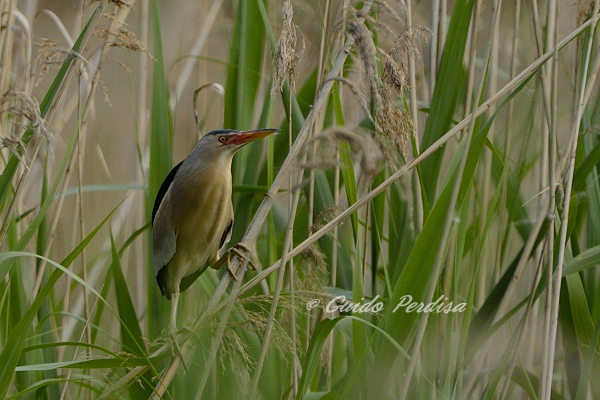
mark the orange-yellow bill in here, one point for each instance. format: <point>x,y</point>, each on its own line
<point>248,136</point>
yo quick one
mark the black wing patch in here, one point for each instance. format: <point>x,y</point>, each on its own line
<point>162,282</point>
<point>163,189</point>
<point>224,236</point>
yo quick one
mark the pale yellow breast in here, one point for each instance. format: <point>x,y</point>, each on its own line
<point>201,214</point>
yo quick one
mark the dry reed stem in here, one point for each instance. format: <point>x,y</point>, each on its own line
<point>544,170</point>
<point>570,157</point>
<point>414,110</point>
<point>552,291</point>
<point>540,47</point>
<point>433,49</point>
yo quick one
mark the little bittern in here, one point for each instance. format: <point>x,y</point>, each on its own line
<point>193,214</point>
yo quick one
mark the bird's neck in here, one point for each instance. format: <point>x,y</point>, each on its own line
<point>209,167</point>
<point>209,162</point>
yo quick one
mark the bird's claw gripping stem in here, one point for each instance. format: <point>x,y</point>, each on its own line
<point>241,251</point>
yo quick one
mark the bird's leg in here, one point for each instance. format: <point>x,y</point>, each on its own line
<point>173,321</point>
<point>173,329</point>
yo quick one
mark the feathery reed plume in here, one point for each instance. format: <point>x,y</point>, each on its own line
<point>285,55</point>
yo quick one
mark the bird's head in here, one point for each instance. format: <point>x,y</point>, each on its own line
<point>229,141</point>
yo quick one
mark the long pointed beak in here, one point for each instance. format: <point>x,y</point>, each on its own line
<point>245,137</point>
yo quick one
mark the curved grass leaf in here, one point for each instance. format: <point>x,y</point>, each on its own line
<point>131,333</point>
<point>587,259</point>
<point>100,363</point>
<point>68,344</point>
<point>43,384</point>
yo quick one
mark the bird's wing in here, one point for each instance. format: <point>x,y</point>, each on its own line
<point>163,190</point>
<point>164,239</point>
<point>164,236</point>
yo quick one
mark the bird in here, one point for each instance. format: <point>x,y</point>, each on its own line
<point>192,217</point>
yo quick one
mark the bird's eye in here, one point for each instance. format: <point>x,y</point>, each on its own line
<point>222,139</point>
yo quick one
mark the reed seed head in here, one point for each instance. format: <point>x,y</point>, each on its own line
<point>285,55</point>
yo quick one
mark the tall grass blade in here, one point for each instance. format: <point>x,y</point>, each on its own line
<point>131,333</point>
<point>447,94</point>
<point>161,138</point>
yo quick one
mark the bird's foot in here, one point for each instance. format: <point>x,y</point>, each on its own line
<point>240,250</point>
